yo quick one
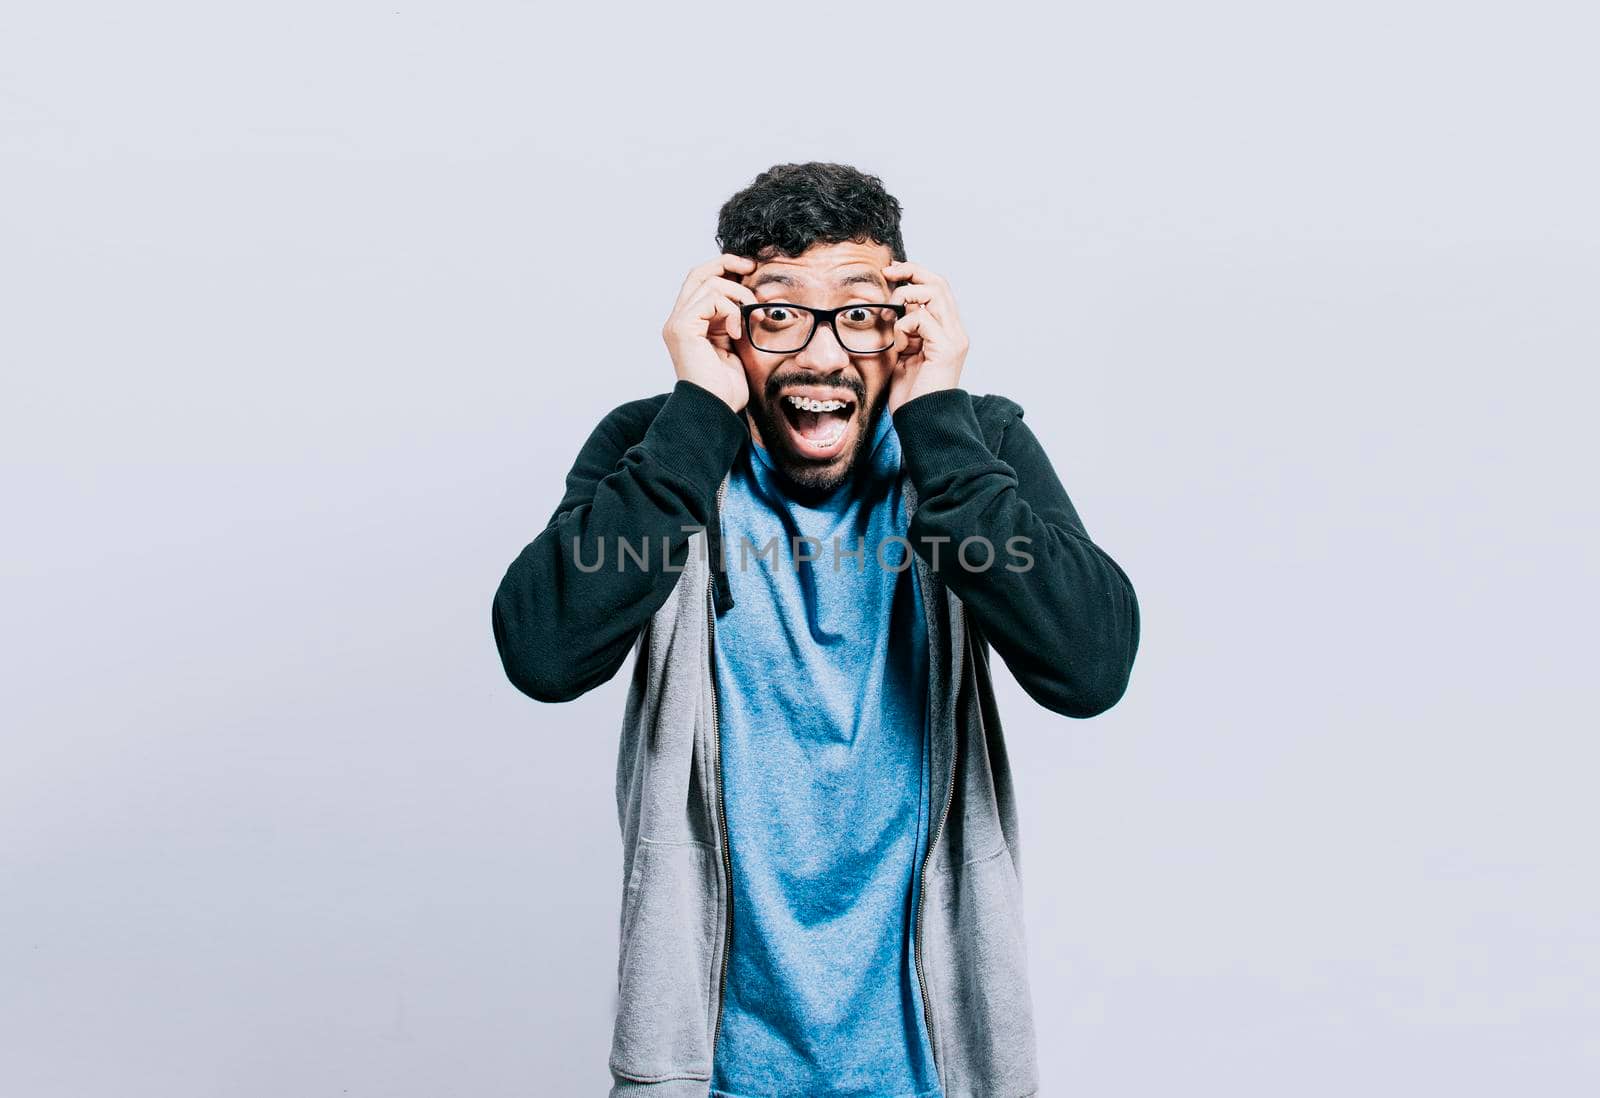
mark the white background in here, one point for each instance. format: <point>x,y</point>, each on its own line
<point>305,310</point>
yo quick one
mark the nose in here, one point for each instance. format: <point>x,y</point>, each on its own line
<point>823,353</point>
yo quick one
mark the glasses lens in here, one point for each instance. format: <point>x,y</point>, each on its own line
<point>779,328</point>
<point>866,329</point>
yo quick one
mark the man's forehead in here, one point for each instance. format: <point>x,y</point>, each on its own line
<point>803,280</point>
<point>834,266</point>
<point>800,278</point>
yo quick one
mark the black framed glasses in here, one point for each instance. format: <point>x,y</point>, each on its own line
<point>782,328</point>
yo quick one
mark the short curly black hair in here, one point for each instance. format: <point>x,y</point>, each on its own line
<point>790,207</point>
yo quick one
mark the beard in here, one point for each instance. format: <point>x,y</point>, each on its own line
<point>808,477</point>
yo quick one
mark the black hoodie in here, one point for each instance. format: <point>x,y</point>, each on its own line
<point>1067,626</point>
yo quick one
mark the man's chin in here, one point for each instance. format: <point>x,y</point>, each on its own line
<point>815,476</point>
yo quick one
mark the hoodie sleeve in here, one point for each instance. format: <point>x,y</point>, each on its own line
<point>563,625</point>
<point>1058,609</point>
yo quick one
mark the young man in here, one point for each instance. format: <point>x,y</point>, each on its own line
<point>811,542</point>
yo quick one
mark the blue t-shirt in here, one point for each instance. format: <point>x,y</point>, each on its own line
<point>822,695</point>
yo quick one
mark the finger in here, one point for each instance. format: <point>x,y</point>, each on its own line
<point>923,298</point>
<point>697,277</point>
<point>736,290</point>
<point>913,294</point>
<point>726,262</point>
<point>912,291</point>
<point>698,316</point>
<point>911,328</point>
<point>721,305</point>
<point>926,288</point>
<point>915,272</point>
<point>730,293</point>
<point>908,349</point>
<point>915,323</point>
<point>735,295</point>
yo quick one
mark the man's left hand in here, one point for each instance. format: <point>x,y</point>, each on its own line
<point>929,339</point>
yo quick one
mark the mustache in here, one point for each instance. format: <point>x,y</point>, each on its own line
<point>776,383</point>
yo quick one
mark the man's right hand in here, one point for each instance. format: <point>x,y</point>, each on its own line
<point>704,323</point>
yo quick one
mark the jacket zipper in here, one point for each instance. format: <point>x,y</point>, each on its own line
<point>716,741</point>
<point>922,888</point>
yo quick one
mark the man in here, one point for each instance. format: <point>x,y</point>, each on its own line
<point>811,542</point>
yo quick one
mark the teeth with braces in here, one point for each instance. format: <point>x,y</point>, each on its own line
<point>809,405</point>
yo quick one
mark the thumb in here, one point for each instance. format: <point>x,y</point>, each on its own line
<point>905,328</point>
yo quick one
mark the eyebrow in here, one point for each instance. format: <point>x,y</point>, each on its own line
<point>868,277</point>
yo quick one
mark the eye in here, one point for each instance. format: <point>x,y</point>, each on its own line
<point>776,316</point>
<point>865,316</point>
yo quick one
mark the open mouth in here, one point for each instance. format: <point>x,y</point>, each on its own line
<point>818,421</point>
